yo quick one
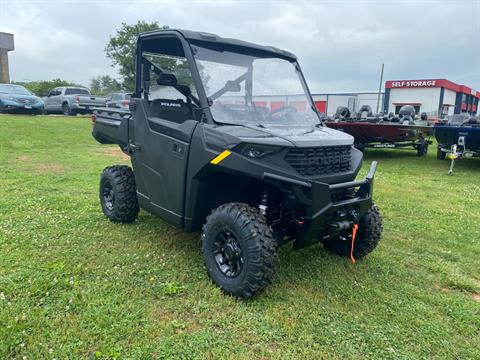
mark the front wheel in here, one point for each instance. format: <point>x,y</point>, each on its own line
<point>368,235</point>
<point>239,251</point>
<point>118,194</point>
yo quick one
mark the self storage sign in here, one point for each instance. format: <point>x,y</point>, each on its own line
<point>413,83</point>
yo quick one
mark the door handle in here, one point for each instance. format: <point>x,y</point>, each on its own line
<point>131,148</point>
<point>178,149</point>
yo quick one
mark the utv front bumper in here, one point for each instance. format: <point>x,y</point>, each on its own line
<point>326,204</point>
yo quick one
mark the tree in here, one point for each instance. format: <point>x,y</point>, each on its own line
<point>42,87</point>
<point>121,49</point>
<point>103,85</point>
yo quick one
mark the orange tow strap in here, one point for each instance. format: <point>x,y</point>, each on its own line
<point>354,234</point>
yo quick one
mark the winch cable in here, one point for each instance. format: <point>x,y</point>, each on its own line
<point>354,234</point>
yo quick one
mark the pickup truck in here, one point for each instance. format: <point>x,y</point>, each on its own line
<point>71,100</point>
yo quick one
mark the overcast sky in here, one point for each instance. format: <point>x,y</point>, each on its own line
<point>340,44</point>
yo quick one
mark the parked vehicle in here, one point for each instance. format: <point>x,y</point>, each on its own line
<point>458,136</point>
<point>16,98</point>
<point>205,157</point>
<point>71,100</point>
<point>118,100</point>
<point>385,131</point>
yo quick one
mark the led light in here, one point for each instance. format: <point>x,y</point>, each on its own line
<point>255,151</point>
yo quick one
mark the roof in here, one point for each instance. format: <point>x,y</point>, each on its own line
<point>212,38</point>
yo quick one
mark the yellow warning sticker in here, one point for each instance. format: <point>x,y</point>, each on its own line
<point>220,157</point>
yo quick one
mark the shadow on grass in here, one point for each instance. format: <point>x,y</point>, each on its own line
<point>295,266</point>
<point>373,154</point>
<point>466,164</point>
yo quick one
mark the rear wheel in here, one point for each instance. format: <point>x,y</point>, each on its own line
<point>239,250</point>
<point>118,195</point>
<point>66,110</point>
<point>368,236</point>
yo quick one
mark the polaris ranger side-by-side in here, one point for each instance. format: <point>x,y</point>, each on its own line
<point>224,137</point>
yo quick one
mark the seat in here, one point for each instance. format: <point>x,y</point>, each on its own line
<point>177,111</point>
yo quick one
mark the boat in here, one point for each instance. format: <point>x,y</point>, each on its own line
<point>385,131</point>
<point>458,136</point>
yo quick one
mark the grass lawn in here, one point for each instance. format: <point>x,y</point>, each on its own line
<point>74,285</point>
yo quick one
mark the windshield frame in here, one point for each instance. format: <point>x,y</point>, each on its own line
<point>247,76</point>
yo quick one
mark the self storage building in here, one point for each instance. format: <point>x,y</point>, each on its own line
<point>436,97</point>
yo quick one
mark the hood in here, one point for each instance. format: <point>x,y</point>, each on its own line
<point>17,97</point>
<point>298,136</point>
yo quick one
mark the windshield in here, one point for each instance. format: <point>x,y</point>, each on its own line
<point>76,91</point>
<point>14,89</point>
<point>255,88</point>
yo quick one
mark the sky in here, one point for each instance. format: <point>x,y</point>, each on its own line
<point>340,44</point>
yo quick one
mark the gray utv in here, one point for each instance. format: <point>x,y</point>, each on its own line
<point>224,138</point>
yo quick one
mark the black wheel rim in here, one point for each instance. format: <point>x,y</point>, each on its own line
<point>228,253</point>
<point>108,195</point>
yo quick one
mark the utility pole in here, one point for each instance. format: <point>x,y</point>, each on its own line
<point>380,89</point>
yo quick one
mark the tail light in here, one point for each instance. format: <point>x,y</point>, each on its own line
<point>77,98</point>
<point>94,118</point>
<point>125,103</point>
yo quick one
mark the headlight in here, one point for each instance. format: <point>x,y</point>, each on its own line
<point>255,150</point>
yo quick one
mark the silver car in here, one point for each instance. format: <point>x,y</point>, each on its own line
<point>119,100</point>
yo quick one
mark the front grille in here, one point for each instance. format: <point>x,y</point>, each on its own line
<point>319,160</point>
<point>25,101</point>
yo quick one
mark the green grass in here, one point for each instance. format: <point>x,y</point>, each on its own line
<point>74,285</point>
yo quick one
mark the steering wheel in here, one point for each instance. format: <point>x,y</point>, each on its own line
<point>284,108</point>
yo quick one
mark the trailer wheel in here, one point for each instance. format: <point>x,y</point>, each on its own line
<point>368,235</point>
<point>239,251</point>
<point>118,194</point>
<point>440,154</point>
<point>422,148</point>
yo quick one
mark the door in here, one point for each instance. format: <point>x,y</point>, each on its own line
<point>160,133</point>
<point>56,101</point>
<point>50,100</point>
<point>160,155</point>
<point>321,106</point>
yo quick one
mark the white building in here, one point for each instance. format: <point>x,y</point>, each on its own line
<point>328,103</point>
<point>435,97</point>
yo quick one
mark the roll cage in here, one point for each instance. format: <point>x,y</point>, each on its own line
<point>179,43</point>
